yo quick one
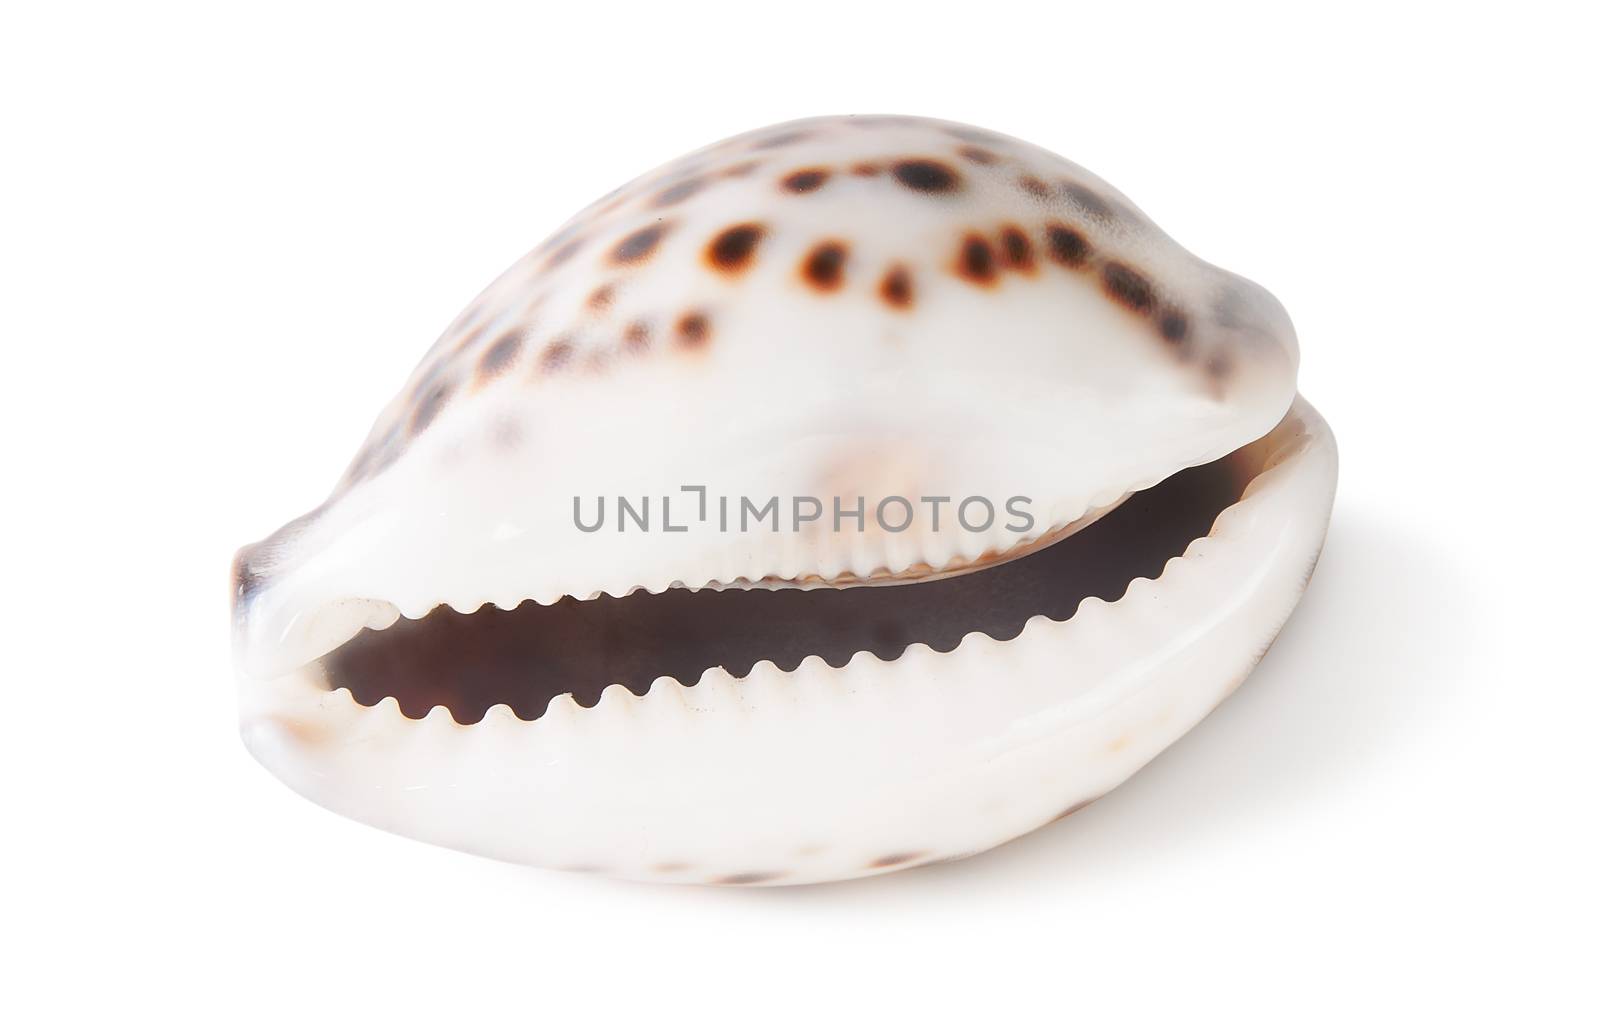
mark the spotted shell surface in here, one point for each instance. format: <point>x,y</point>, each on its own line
<point>842,308</point>
<point>837,306</point>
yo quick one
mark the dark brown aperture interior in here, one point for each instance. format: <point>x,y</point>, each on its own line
<point>525,656</point>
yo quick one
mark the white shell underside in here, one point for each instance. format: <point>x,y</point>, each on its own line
<point>828,773</point>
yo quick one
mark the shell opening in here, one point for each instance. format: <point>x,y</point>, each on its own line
<point>526,656</point>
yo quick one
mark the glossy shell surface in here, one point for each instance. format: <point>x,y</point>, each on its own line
<point>843,307</point>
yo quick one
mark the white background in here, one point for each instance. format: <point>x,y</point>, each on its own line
<point>228,234</point>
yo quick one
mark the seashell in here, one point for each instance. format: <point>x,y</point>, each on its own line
<point>535,621</point>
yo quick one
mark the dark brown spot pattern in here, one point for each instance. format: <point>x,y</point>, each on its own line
<point>824,266</point>
<point>894,860</point>
<point>1016,249</point>
<point>928,176</point>
<point>975,263</point>
<point>734,249</point>
<point>985,254</point>
<point>1067,246</point>
<point>896,289</point>
<point>803,182</point>
<point>639,245</point>
<point>1174,326</point>
<point>1128,288</point>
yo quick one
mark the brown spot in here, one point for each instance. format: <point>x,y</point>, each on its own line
<point>499,356</point>
<point>778,141</point>
<point>976,261</point>
<point>1067,246</point>
<point>679,191</point>
<point>743,169</point>
<point>928,176</point>
<point>734,249</point>
<point>896,287</point>
<point>1128,288</point>
<point>824,267</point>
<point>556,356</point>
<point>894,860</point>
<point>750,877</point>
<point>429,406</point>
<point>1033,186</point>
<point>866,169</point>
<point>670,867</point>
<point>1016,248</point>
<point>694,330</point>
<point>637,336</point>
<point>601,297</point>
<point>805,181</point>
<point>1174,326</point>
<point>975,154</point>
<point>1219,366</point>
<point>639,245</point>
<point>1090,202</point>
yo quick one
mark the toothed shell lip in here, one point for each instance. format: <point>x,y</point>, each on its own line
<point>1083,702</point>
<point>299,632</point>
<point>284,620</point>
<point>815,307</point>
